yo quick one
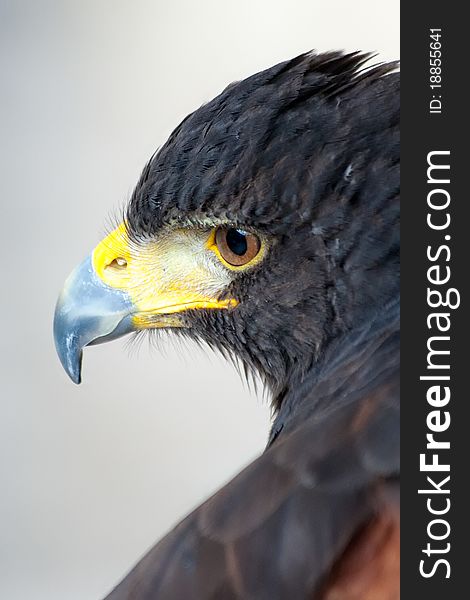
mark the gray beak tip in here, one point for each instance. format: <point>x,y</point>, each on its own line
<point>69,351</point>
<point>74,369</point>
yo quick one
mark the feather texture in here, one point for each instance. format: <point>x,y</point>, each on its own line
<point>308,153</point>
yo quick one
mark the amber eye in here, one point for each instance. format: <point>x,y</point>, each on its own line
<point>236,247</point>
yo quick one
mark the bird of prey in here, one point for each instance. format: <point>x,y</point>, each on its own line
<point>267,227</point>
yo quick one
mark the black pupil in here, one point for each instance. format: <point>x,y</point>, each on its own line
<point>236,241</point>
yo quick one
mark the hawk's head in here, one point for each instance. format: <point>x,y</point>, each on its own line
<point>266,225</point>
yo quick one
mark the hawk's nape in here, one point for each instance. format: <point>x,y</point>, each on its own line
<point>267,226</point>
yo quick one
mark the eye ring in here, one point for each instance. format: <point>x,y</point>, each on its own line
<point>236,247</point>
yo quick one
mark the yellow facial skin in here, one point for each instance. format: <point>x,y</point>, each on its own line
<point>163,277</point>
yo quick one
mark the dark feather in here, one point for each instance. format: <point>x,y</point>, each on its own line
<point>277,530</point>
<point>308,153</point>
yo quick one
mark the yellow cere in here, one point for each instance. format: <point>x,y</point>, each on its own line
<point>171,274</point>
<point>108,255</point>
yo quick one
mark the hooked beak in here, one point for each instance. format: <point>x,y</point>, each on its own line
<point>88,312</point>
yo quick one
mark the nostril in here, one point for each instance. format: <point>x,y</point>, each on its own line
<point>117,264</point>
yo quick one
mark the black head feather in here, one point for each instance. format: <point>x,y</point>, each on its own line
<point>306,152</point>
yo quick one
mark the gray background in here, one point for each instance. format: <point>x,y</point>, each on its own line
<point>92,475</point>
